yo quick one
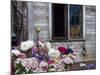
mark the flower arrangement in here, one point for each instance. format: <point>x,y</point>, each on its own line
<point>43,59</point>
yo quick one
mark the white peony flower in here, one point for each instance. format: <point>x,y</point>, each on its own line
<point>30,43</point>
<point>26,45</point>
<point>48,45</point>
<point>23,46</point>
<point>53,53</point>
<point>16,52</point>
<point>58,53</point>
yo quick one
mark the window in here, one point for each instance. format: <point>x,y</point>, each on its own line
<point>75,14</point>
<point>67,22</point>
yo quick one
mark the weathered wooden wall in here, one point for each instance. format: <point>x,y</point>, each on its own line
<point>38,15</point>
<point>19,20</point>
<point>90,30</point>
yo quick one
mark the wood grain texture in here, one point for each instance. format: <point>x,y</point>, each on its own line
<point>41,18</point>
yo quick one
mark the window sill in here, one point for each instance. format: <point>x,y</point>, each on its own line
<point>82,40</point>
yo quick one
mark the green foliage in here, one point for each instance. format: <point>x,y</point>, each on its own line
<point>66,66</point>
<point>20,69</point>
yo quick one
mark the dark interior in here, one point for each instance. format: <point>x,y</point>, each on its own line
<point>58,20</point>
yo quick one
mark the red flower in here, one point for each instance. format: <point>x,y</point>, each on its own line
<point>63,50</point>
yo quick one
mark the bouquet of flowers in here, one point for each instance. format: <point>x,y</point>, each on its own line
<point>33,59</point>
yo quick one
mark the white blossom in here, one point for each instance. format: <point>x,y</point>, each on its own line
<point>26,45</point>
<point>16,52</point>
<point>48,45</point>
<point>53,53</point>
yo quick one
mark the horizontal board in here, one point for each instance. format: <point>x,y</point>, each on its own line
<point>40,4</point>
<point>41,24</point>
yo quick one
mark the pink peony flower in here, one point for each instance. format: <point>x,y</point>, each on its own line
<point>50,61</point>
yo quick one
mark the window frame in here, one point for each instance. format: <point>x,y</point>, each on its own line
<point>68,18</point>
<point>69,24</point>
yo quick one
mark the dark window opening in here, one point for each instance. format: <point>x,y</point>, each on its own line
<point>60,22</point>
